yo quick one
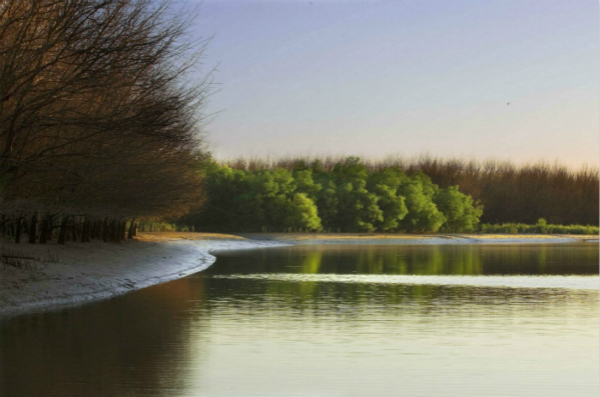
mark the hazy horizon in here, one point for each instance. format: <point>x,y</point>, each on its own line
<point>507,80</point>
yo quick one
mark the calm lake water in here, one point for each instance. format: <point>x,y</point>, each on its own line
<point>365,320</point>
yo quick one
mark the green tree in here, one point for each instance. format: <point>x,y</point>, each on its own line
<point>461,212</point>
<point>305,183</point>
<point>356,208</point>
<point>348,198</point>
<point>384,184</point>
<point>305,215</point>
<point>423,215</point>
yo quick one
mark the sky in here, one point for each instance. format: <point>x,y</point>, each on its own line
<point>511,80</point>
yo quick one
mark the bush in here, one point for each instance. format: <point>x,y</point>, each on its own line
<point>462,214</point>
<point>346,198</point>
<point>540,227</point>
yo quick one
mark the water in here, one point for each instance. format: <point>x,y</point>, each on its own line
<point>480,320</point>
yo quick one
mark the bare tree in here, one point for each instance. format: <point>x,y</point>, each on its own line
<point>97,113</point>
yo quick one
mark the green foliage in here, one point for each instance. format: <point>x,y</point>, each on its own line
<point>385,184</point>
<point>509,193</point>
<point>355,208</point>
<point>346,198</point>
<point>305,215</point>
<point>462,214</point>
<point>423,215</point>
<point>540,227</point>
<point>246,201</point>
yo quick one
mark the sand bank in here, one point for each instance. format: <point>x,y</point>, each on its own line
<point>77,273</point>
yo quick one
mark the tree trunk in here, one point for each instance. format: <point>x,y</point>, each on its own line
<point>33,229</point>
<point>116,229</point>
<point>44,230</point>
<point>50,229</point>
<point>74,230</point>
<point>85,231</point>
<point>105,233</point>
<point>135,228</point>
<point>111,229</point>
<point>18,229</point>
<point>24,225</point>
<point>131,228</point>
<point>93,229</point>
<point>62,234</point>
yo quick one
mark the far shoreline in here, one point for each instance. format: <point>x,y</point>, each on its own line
<point>293,238</point>
<point>77,273</point>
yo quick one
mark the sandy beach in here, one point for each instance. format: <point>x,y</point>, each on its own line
<point>77,273</point>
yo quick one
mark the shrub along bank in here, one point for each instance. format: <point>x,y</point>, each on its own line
<point>541,227</point>
<point>346,198</point>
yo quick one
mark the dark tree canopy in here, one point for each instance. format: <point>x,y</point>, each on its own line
<point>97,113</point>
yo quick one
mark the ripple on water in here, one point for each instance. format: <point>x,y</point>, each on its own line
<point>568,282</point>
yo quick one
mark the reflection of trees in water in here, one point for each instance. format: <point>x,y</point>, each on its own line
<point>138,344</point>
<point>428,260</point>
<point>473,259</point>
<point>541,258</point>
<point>394,260</point>
<point>130,346</point>
<point>418,261</point>
<point>364,300</point>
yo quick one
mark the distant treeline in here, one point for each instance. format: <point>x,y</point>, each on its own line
<point>508,193</point>
<point>347,197</point>
<point>540,227</point>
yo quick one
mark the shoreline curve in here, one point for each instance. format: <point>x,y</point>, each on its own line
<point>82,273</point>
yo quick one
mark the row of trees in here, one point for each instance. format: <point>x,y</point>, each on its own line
<point>99,122</point>
<point>67,228</point>
<point>347,198</point>
<point>509,193</point>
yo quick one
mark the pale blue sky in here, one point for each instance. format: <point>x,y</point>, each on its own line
<point>379,78</point>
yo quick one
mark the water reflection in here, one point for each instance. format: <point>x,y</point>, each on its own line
<point>111,348</point>
<point>534,259</point>
<point>319,321</point>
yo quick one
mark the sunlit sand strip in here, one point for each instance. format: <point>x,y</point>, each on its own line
<point>569,282</point>
<point>414,239</point>
<point>166,236</point>
<point>345,236</point>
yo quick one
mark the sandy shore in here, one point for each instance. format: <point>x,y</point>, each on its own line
<point>78,273</point>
